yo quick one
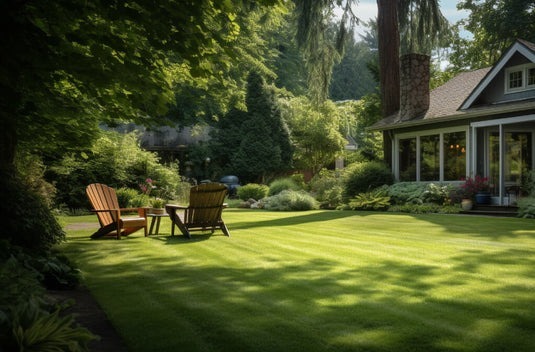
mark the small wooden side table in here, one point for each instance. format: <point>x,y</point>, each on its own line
<point>155,220</point>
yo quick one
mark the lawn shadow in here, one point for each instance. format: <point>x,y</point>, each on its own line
<point>478,225</point>
<point>315,305</point>
<point>305,218</point>
<point>387,303</point>
<point>286,305</point>
<point>181,239</point>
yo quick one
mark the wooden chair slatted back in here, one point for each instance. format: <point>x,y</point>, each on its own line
<point>103,197</point>
<point>205,205</point>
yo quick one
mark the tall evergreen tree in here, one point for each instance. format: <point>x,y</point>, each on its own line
<point>264,148</point>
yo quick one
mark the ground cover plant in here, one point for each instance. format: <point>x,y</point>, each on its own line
<point>318,281</point>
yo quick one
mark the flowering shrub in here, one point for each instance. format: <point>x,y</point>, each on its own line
<point>147,186</point>
<point>471,186</point>
<point>158,201</point>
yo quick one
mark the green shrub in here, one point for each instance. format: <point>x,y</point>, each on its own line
<point>27,322</point>
<point>29,327</point>
<point>377,199</point>
<point>116,160</point>
<point>407,192</point>
<point>53,271</point>
<point>366,176</point>
<point>182,192</point>
<point>528,183</point>
<point>131,198</point>
<point>31,169</point>
<point>289,200</point>
<point>425,208</point>
<point>437,193</point>
<point>327,188</point>
<point>56,272</point>
<point>299,180</point>
<point>18,282</point>
<point>421,193</point>
<point>253,190</point>
<point>282,184</point>
<point>28,221</point>
<point>526,207</point>
<point>126,196</point>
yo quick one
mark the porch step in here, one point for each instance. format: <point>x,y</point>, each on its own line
<point>493,210</point>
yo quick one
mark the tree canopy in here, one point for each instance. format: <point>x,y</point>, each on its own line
<point>495,25</point>
<point>68,65</point>
<point>315,132</point>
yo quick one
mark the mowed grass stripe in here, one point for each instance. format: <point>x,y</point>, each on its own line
<point>320,281</point>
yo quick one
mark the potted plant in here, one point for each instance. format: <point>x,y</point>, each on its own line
<point>157,206</point>
<point>477,189</point>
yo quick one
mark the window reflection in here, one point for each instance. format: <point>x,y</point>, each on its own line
<point>430,158</point>
<point>407,159</point>
<point>454,156</point>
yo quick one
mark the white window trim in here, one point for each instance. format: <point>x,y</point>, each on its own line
<point>417,135</point>
<point>524,69</point>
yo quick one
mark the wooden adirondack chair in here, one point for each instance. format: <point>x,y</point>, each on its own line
<point>204,210</point>
<point>105,204</point>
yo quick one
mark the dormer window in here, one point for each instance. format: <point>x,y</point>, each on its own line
<point>519,78</point>
<point>531,76</point>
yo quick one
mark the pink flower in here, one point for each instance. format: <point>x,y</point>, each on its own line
<point>147,186</point>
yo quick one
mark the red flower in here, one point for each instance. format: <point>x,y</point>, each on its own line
<point>474,185</point>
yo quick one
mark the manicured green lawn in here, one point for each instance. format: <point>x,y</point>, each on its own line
<point>319,281</point>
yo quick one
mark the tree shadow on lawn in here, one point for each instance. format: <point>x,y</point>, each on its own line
<point>181,239</point>
<point>288,219</point>
<point>491,227</point>
<point>494,228</point>
<point>316,305</point>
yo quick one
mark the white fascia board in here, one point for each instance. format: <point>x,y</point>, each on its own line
<point>517,47</point>
<point>504,121</point>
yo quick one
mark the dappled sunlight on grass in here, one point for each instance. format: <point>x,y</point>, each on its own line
<point>320,281</point>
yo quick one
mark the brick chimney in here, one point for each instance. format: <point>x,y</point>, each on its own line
<point>414,86</point>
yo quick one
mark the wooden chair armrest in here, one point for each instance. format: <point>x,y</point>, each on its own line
<point>176,206</point>
<point>225,205</point>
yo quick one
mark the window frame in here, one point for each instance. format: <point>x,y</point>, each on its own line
<point>418,135</point>
<point>524,71</point>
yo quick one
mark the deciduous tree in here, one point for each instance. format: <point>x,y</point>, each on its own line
<point>315,132</point>
<point>495,25</point>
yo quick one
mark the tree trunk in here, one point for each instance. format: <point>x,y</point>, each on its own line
<point>388,33</point>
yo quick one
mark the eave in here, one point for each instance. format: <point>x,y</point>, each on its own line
<point>489,112</point>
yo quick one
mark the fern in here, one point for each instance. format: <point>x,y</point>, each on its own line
<point>374,200</point>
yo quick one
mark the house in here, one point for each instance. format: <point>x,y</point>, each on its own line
<point>478,123</point>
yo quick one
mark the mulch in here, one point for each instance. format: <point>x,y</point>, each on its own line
<point>90,315</point>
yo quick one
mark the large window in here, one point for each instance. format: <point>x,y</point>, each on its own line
<point>531,77</point>
<point>407,159</point>
<point>517,157</point>
<point>432,157</point>
<point>454,156</point>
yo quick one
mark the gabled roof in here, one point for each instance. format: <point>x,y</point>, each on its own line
<point>453,100</point>
<point>521,46</point>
